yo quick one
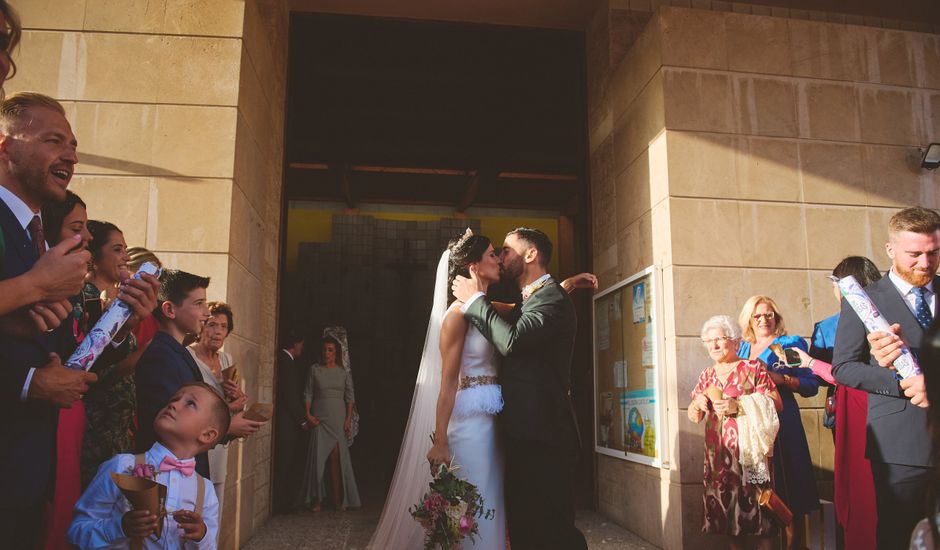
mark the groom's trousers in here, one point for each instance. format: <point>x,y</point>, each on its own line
<point>540,496</point>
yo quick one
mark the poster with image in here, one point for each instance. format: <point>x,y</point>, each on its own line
<point>638,409</point>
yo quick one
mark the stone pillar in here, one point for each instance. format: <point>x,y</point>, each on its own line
<point>744,154</point>
<point>178,109</point>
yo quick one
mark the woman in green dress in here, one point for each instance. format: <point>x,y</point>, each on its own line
<point>329,400</point>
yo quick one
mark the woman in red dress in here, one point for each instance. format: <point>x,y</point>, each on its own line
<point>731,506</point>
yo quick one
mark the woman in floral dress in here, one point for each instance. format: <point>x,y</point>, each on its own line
<point>731,506</point>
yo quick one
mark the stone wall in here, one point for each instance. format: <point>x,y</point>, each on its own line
<point>773,147</point>
<point>178,110</point>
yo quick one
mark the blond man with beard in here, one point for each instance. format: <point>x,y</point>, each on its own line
<point>898,443</point>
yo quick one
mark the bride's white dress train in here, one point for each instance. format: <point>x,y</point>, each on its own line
<point>472,434</point>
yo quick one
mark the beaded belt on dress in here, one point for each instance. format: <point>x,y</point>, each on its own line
<point>471,381</point>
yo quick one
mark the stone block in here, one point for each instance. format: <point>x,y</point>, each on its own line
<point>632,191</point>
<point>691,360</point>
<point>691,446</point>
<point>728,233</point>
<point>201,71</point>
<point>890,56</point>
<point>767,169</point>
<point>729,288</point>
<point>121,200</point>
<point>888,116</point>
<point>46,62</point>
<point>698,101</point>
<point>196,141</point>
<point>119,67</point>
<point>758,44</point>
<point>926,50</point>
<point>115,138</point>
<point>247,233</point>
<point>603,196</point>
<point>244,294</point>
<point>693,38</point>
<point>662,231</point>
<point>213,265</point>
<point>701,164</point>
<point>822,293</point>
<point>50,14</point>
<point>832,173</point>
<point>765,106</point>
<point>184,224</point>
<point>931,106</point>
<point>206,17</point>
<point>631,74</point>
<point>133,16</point>
<point>253,102</point>
<point>824,50</point>
<point>894,178</point>
<point>878,222</point>
<point>639,125</point>
<point>828,111</point>
<point>254,171</point>
<point>834,232</point>
<point>635,245</point>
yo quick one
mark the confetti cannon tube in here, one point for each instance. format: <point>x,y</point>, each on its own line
<point>905,365</point>
<point>106,328</point>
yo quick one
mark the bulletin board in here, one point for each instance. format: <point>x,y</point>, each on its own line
<point>627,348</point>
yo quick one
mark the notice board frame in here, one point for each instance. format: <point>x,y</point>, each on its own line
<point>653,291</point>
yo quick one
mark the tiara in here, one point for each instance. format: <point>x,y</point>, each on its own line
<point>463,240</point>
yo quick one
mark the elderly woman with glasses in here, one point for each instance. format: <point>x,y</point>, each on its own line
<point>766,339</point>
<point>730,500</point>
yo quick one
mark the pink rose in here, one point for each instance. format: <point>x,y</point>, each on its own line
<point>466,524</point>
<point>143,470</point>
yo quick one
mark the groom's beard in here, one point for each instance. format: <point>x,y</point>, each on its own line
<point>509,273</point>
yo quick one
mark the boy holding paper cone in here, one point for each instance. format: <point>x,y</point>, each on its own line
<point>195,419</point>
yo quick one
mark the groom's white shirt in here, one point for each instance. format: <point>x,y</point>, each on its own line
<point>469,302</point>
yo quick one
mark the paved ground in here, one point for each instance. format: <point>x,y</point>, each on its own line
<point>330,530</point>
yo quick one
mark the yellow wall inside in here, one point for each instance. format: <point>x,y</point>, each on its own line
<point>305,225</point>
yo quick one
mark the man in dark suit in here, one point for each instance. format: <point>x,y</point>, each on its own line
<point>541,434</point>
<point>166,365</point>
<point>898,444</point>
<point>34,170</point>
<point>290,423</point>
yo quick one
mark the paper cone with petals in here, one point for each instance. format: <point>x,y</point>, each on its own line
<point>260,412</point>
<point>143,494</point>
<point>714,393</point>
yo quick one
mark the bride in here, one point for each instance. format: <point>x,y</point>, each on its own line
<point>456,397</point>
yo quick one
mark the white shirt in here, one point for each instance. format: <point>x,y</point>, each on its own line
<point>24,215</point>
<point>910,298</point>
<point>97,515</point>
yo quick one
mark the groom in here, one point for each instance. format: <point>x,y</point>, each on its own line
<point>541,435</point>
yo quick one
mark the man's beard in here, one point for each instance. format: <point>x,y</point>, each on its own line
<point>510,272</point>
<point>34,178</point>
<point>915,277</point>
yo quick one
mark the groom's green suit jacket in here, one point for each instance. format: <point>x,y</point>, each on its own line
<point>536,343</point>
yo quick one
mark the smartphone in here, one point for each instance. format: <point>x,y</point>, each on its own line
<point>793,358</point>
<point>92,311</point>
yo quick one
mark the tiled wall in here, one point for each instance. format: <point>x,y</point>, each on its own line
<point>773,147</point>
<point>178,110</point>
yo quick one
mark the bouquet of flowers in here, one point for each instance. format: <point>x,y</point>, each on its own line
<point>449,510</point>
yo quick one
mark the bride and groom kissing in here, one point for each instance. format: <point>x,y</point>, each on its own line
<point>494,388</point>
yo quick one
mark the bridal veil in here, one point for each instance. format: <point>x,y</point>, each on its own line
<point>397,530</point>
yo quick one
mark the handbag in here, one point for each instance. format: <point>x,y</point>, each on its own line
<point>775,508</point>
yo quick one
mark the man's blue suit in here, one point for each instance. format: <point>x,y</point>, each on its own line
<point>27,432</point>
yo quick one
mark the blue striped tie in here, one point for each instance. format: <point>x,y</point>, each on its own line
<point>921,309</point>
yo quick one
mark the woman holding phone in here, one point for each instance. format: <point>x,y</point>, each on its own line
<point>765,338</point>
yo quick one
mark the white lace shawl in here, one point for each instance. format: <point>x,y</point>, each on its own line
<point>757,429</point>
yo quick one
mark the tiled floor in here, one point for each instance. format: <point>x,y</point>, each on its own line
<point>330,530</point>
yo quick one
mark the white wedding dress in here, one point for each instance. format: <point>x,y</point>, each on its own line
<point>472,435</point>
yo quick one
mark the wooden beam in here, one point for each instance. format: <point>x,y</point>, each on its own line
<point>470,192</point>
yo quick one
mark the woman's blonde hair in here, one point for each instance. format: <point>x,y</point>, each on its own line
<point>139,256</point>
<point>750,306</point>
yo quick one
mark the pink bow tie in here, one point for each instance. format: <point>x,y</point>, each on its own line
<point>169,463</point>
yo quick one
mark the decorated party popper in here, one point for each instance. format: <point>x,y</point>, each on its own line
<point>106,328</point>
<point>905,365</point>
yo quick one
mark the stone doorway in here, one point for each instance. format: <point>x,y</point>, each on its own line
<point>393,147</point>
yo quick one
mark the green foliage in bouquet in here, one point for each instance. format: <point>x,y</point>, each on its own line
<point>449,510</point>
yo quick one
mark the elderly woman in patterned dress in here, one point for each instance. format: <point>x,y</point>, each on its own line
<point>731,506</point>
